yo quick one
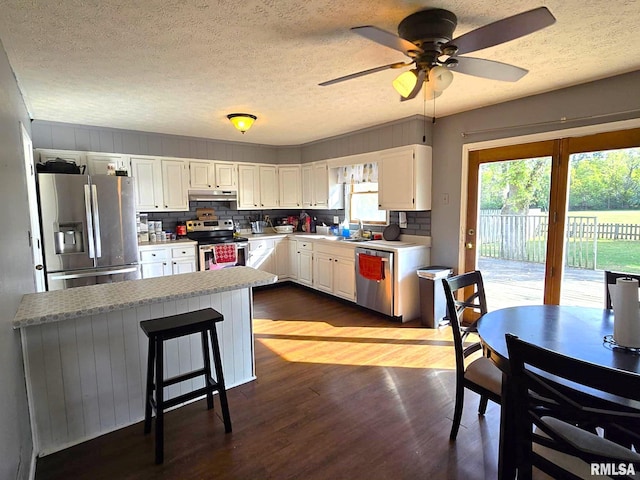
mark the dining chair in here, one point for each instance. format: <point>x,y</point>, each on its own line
<point>610,279</point>
<point>548,386</point>
<point>480,375</point>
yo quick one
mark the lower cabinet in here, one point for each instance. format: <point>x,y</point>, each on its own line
<point>262,255</point>
<point>163,260</point>
<point>305,262</point>
<point>334,271</point>
<point>324,267</point>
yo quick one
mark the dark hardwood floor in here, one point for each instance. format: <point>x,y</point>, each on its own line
<point>341,393</point>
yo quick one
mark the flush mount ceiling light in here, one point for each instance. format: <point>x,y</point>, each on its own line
<point>242,121</point>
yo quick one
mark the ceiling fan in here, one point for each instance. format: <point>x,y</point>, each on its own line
<point>426,38</point>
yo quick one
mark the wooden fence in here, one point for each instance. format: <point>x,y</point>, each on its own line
<point>524,238</point>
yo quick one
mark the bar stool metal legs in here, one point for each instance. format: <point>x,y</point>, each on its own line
<point>162,329</point>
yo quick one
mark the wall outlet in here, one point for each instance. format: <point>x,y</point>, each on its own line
<point>336,220</point>
<point>445,199</point>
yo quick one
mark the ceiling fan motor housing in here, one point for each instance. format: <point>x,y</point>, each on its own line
<point>431,26</point>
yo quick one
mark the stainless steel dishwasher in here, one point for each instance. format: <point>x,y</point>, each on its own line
<point>375,294</point>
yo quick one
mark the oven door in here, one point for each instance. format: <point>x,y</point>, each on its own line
<point>242,251</point>
<point>207,257</point>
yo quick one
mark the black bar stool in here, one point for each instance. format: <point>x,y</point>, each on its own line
<point>161,329</point>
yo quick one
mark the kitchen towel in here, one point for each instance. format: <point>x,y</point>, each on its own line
<point>371,267</point>
<point>626,314</point>
<point>225,253</point>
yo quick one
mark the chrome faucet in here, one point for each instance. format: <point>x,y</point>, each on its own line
<point>360,228</point>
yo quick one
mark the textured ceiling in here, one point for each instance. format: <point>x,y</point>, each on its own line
<point>179,66</point>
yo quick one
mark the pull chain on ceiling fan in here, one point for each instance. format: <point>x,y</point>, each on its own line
<point>426,38</point>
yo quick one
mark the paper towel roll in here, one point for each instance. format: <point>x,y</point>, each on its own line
<point>626,314</point>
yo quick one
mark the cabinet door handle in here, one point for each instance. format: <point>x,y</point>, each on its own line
<point>336,260</point>
<point>153,254</point>
<point>164,263</point>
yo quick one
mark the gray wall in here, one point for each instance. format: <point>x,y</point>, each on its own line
<point>601,100</point>
<point>16,279</point>
<point>67,136</point>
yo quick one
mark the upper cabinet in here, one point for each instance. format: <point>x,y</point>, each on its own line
<point>210,175</point>
<point>98,163</point>
<point>249,186</point>
<point>161,184</point>
<point>404,178</point>
<point>320,188</point>
<point>269,195</point>
<point>289,181</point>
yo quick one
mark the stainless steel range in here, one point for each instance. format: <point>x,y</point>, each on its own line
<point>208,234</point>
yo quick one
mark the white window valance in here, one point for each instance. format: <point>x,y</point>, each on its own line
<point>358,173</point>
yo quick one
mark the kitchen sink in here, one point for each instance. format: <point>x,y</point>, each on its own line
<point>357,239</point>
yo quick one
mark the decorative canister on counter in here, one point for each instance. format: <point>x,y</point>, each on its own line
<point>181,229</point>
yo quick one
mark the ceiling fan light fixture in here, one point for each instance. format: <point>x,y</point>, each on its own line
<point>440,78</point>
<point>242,121</point>
<point>405,82</point>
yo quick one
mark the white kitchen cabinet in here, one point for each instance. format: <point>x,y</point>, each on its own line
<point>175,184</point>
<point>289,181</point>
<point>305,262</point>
<point>334,271</point>
<point>155,262</point>
<point>162,260</point>
<point>202,175</point>
<point>283,258</point>
<point>226,176</point>
<point>316,188</point>
<point>248,186</point>
<point>262,255</point>
<point>183,259</point>
<point>269,193</point>
<point>160,183</point>
<point>97,163</point>
<point>211,175</point>
<point>344,278</point>
<point>258,186</point>
<point>404,178</point>
<point>293,259</point>
<point>323,272</point>
<point>147,173</point>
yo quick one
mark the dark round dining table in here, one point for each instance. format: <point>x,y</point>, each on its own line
<point>573,331</point>
<point>577,332</point>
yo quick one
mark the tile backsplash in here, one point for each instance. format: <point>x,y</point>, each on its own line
<point>418,223</point>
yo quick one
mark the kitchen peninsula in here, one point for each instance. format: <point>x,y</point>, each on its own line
<point>85,354</point>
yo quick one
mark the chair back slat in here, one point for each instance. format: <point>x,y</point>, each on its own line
<point>547,384</point>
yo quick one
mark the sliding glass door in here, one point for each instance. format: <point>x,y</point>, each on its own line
<point>545,219</point>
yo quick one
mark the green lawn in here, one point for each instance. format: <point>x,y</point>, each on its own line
<point>621,255</point>
<point>612,216</point>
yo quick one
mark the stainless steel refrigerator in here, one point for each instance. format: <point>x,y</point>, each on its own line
<point>88,229</point>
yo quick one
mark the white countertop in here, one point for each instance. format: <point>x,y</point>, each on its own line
<point>58,305</point>
<point>167,243</point>
<point>405,242</point>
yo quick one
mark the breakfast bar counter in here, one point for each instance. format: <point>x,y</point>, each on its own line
<point>85,354</point>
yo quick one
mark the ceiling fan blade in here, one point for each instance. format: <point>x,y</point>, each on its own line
<point>479,67</point>
<point>387,39</point>
<point>416,89</point>
<point>363,73</point>
<point>504,30</point>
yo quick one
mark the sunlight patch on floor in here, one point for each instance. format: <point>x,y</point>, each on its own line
<point>321,342</point>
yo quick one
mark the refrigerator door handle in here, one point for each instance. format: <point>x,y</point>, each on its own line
<point>87,207</point>
<point>96,218</point>
<point>100,273</point>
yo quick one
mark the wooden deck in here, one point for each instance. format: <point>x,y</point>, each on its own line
<point>508,283</point>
